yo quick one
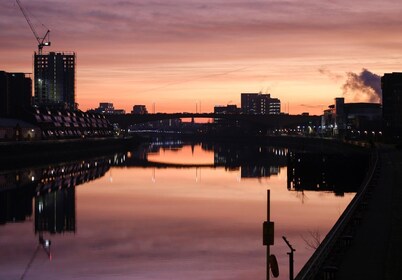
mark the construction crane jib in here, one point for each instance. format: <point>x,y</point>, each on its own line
<point>42,41</point>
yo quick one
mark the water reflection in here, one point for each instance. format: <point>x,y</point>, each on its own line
<point>55,211</point>
<point>53,190</point>
<point>252,161</point>
<point>336,173</point>
<point>52,187</point>
<point>214,227</point>
<point>15,204</point>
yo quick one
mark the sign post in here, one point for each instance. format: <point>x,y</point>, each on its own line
<point>268,238</point>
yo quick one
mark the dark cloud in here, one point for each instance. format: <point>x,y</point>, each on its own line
<point>365,86</point>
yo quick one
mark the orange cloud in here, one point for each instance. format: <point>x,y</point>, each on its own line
<point>175,53</point>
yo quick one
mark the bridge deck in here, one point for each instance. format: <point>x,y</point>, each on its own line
<point>276,121</point>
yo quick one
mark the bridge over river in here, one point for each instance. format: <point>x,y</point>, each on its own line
<point>268,121</point>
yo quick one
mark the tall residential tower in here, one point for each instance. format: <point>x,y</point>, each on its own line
<point>55,80</point>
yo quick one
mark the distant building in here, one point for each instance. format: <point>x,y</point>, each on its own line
<point>61,124</point>
<point>228,109</point>
<point>340,114</point>
<point>15,94</point>
<point>391,85</point>
<point>16,129</point>
<point>351,118</point>
<point>105,108</point>
<point>139,110</point>
<point>160,126</point>
<point>108,109</point>
<point>54,75</point>
<point>260,104</point>
<point>119,112</point>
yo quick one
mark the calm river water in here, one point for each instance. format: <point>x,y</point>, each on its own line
<point>169,211</point>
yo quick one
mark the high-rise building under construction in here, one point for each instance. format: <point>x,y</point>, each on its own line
<point>54,75</point>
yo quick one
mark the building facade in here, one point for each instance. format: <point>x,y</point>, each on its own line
<point>139,110</point>
<point>260,104</point>
<point>228,109</point>
<point>107,108</point>
<point>391,85</point>
<point>15,94</point>
<point>54,75</point>
<point>356,120</point>
<point>61,124</point>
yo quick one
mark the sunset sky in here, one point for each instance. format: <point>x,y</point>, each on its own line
<point>183,54</point>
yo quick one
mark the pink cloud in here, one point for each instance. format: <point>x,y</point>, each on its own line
<point>187,34</point>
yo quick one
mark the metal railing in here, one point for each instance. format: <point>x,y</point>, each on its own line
<point>314,264</point>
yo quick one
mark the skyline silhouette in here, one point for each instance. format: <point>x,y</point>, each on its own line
<point>182,53</point>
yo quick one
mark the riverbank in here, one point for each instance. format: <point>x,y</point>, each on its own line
<point>25,153</point>
<point>310,143</point>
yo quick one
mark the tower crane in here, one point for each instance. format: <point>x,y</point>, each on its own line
<point>42,41</point>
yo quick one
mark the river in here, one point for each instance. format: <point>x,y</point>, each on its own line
<point>170,211</point>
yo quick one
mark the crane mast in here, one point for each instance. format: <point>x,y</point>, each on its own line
<point>42,41</point>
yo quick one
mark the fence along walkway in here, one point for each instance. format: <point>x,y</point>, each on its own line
<point>324,263</point>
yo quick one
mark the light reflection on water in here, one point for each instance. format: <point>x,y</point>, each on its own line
<point>191,221</point>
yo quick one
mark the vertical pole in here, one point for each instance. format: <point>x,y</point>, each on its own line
<point>290,257</point>
<point>268,220</point>
<point>268,238</point>
<point>291,265</point>
<point>268,205</point>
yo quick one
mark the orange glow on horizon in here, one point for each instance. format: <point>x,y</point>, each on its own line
<point>179,53</point>
<point>188,155</point>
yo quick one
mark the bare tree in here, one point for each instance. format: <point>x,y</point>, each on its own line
<point>313,240</point>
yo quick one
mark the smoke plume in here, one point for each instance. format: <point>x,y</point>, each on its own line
<point>365,86</point>
<point>333,76</point>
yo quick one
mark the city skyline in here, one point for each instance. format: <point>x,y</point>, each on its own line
<point>183,55</point>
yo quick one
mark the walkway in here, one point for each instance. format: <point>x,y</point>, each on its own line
<point>376,249</point>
